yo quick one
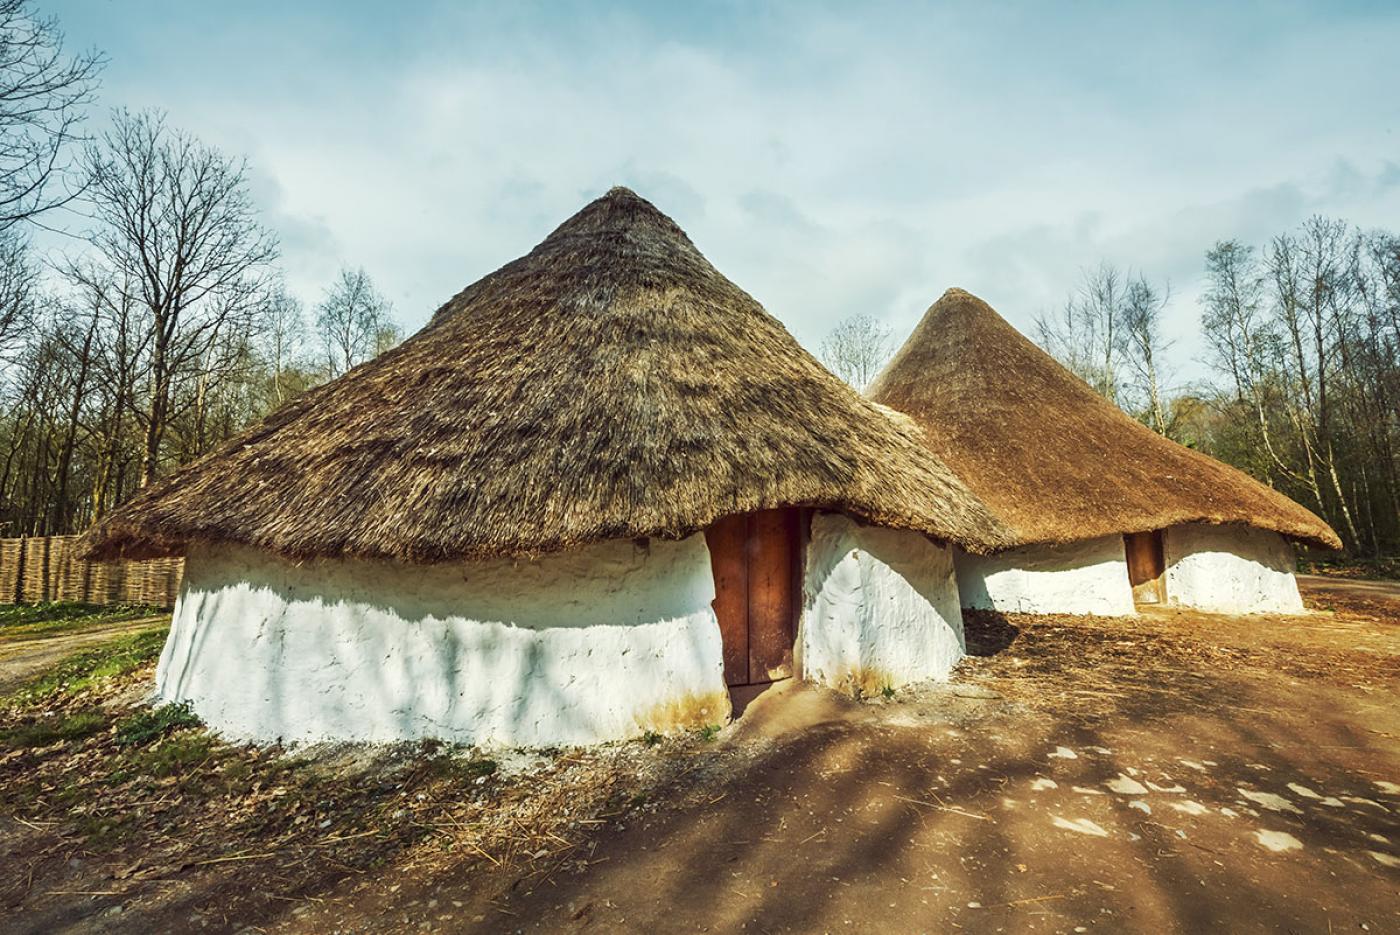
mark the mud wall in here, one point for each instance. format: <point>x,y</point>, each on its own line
<point>597,644</point>
<point>880,607</point>
<point>1088,577</point>
<point>1231,569</point>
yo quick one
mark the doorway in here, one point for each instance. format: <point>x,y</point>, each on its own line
<point>756,559</point>
<point>1146,567</point>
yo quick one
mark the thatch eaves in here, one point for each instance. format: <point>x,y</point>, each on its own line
<point>609,384</point>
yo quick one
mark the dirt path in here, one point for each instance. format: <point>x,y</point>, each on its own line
<point>1363,588</point>
<point>913,822</point>
<point>22,659</point>
<point>1175,773</point>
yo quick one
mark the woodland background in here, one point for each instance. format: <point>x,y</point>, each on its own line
<point>165,328</point>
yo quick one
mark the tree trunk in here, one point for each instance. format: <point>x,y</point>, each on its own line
<point>65,458</point>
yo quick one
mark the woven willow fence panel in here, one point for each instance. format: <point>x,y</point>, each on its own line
<point>47,569</point>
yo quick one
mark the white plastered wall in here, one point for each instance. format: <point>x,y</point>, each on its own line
<point>1087,577</point>
<point>591,645</point>
<point>1231,569</point>
<point>879,607</point>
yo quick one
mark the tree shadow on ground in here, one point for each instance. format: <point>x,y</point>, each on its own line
<point>987,632</point>
<point>882,828</point>
<point>901,816</point>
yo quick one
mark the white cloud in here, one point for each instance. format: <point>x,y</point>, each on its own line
<point>826,160</point>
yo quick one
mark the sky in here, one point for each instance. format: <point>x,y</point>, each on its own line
<point>831,159</point>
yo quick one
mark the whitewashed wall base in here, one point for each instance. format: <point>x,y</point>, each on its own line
<point>1230,569</point>
<point>597,644</point>
<point>1088,577</point>
<point>880,607</point>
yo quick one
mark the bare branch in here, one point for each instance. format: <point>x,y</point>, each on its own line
<point>856,350</point>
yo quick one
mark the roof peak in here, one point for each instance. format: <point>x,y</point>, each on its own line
<point>620,209</point>
<point>963,312</point>
<point>961,297</point>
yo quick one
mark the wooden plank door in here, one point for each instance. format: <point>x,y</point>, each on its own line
<point>728,540</point>
<point>756,558</point>
<point>1146,567</point>
<point>772,553</point>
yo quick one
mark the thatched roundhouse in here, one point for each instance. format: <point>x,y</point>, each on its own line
<point>1106,513</point>
<point>601,488</point>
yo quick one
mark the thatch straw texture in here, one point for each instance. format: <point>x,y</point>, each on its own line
<point>1051,457</point>
<point>609,384</point>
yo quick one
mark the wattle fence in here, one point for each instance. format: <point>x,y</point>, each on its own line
<point>46,568</point>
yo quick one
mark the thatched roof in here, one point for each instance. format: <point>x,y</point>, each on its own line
<point>609,384</point>
<point>1051,457</point>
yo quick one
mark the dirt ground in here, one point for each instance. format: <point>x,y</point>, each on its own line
<point>1175,772</point>
<point>1358,590</point>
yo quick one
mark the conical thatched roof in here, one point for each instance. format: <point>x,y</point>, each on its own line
<point>609,384</point>
<point>1051,457</point>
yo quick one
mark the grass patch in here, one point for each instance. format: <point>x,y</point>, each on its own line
<point>481,767</point>
<point>50,730</point>
<point>709,732</point>
<point>172,756</point>
<point>153,723</point>
<point>85,669</point>
<point>21,621</point>
<point>461,769</point>
<point>102,834</point>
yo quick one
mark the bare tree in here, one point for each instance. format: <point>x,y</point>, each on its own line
<point>283,327</point>
<point>75,332</point>
<point>1374,358</point>
<point>120,337</point>
<point>169,336</point>
<point>17,290</point>
<point>39,394</point>
<point>1144,346</point>
<point>353,323</point>
<point>1087,334</point>
<point>1245,344</point>
<point>176,222</point>
<point>387,336</point>
<point>1310,283</point>
<point>1308,337</point>
<point>43,96</point>
<point>856,350</point>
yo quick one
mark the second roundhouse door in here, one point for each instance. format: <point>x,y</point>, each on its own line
<point>1146,567</point>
